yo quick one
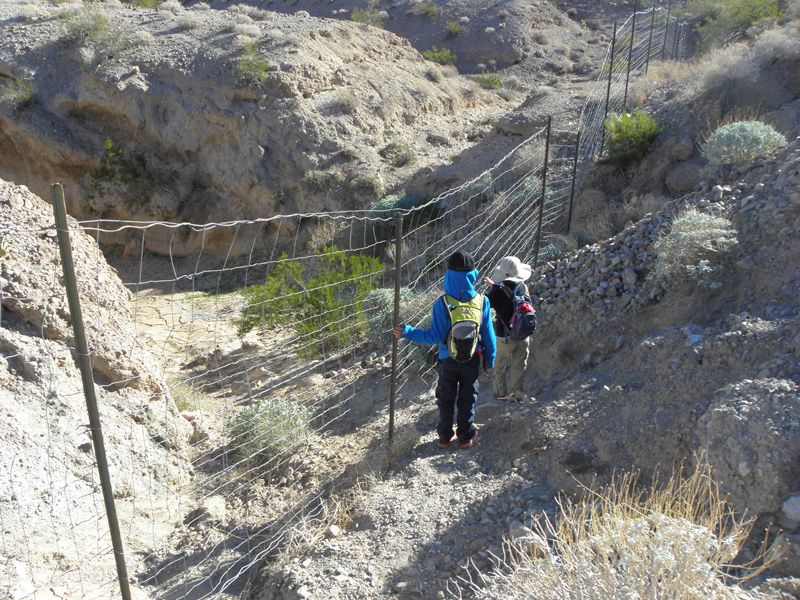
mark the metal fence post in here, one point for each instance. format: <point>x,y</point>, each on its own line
<point>395,319</point>
<point>666,31</point>
<point>608,91</point>
<point>675,43</point>
<point>541,201</point>
<point>630,56</point>
<point>574,176</point>
<point>82,350</point>
<point>650,40</point>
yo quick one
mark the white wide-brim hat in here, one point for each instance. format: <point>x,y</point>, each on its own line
<point>511,269</point>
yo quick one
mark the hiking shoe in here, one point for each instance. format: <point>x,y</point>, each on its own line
<point>444,442</point>
<point>466,442</point>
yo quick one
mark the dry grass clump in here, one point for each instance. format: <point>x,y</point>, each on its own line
<point>593,218</point>
<point>660,74</point>
<point>188,21</point>
<point>675,541</point>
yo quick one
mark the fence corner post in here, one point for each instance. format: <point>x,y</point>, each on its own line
<point>82,355</point>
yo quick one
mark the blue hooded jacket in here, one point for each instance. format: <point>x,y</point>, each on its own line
<point>461,285</point>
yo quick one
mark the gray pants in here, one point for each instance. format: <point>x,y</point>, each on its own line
<point>512,356</point>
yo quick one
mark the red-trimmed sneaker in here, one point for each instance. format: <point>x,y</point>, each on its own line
<point>444,442</point>
<point>466,442</point>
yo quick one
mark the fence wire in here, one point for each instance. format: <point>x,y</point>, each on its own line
<point>251,350</point>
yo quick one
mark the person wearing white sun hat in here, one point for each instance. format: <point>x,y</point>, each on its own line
<point>507,279</point>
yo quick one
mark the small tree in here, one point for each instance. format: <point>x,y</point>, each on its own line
<point>629,136</point>
<point>442,57</point>
<point>252,66</point>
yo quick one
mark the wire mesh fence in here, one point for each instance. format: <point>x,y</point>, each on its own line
<point>239,351</point>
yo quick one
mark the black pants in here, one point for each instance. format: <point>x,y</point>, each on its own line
<point>457,389</point>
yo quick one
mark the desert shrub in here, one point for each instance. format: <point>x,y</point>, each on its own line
<point>740,143</point>
<point>541,38</point>
<point>674,541</point>
<point>120,170</point>
<point>172,6</point>
<point>317,181</point>
<point>145,3</point>
<point>255,13</point>
<point>389,206</point>
<point>17,92</point>
<point>434,74</point>
<point>489,80</point>
<point>368,186</point>
<point>252,66</point>
<point>267,431</point>
<point>187,21</point>
<point>454,29</point>
<point>141,37</point>
<point>528,192</point>
<point>326,306</point>
<point>723,21</point>
<point>368,16</point>
<point>88,25</point>
<point>428,9</point>
<point>201,6</point>
<point>442,57</point>
<point>629,136</point>
<point>380,306</point>
<point>485,186</point>
<point>399,153</point>
<point>694,248</point>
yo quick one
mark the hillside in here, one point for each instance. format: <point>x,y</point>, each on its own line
<point>627,372</point>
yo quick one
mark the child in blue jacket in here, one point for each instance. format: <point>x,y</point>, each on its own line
<point>458,381</point>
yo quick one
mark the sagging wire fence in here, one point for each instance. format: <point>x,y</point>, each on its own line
<point>232,366</point>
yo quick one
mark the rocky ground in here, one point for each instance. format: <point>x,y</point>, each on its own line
<point>625,373</point>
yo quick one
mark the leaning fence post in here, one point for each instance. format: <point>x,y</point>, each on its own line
<point>666,31</point>
<point>630,56</point>
<point>541,201</point>
<point>82,349</point>
<point>574,176</point>
<point>675,43</point>
<point>608,90</point>
<point>396,318</point>
<point>650,39</point>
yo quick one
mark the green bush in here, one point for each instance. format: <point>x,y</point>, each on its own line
<point>454,29</point>
<point>486,186</point>
<point>489,80</point>
<point>118,170</point>
<point>723,21</point>
<point>267,431</point>
<point>629,136</point>
<point>146,3</point>
<point>252,66</point>
<point>694,248</point>
<point>368,16</point>
<point>740,143</point>
<point>326,306</point>
<point>429,10</point>
<point>442,57</point>
<point>17,92</point>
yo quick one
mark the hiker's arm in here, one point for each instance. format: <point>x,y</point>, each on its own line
<point>438,331</point>
<point>488,339</point>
